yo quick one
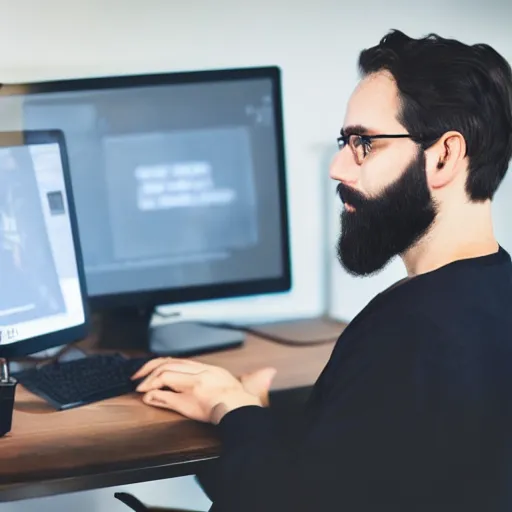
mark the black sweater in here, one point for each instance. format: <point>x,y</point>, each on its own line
<point>413,412</point>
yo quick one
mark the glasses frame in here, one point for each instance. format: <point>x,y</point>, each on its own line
<point>366,140</point>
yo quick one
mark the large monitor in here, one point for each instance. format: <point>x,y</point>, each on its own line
<point>42,293</point>
<point>179,181</point>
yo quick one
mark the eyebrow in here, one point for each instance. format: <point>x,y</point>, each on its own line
<point>356,129</point>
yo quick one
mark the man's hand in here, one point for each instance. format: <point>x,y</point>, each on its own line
<point>258,383</point>
<point>200,391</point>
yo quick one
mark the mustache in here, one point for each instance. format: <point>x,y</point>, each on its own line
<point>351,196</point>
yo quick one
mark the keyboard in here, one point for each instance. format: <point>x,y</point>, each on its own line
<point>82,381</point>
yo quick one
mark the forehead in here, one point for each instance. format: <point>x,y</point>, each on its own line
<point>374,104</point>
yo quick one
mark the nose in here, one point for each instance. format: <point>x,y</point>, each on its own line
<point>343,167</point>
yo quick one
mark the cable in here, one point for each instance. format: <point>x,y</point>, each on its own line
<point>255,332</point>
<point>41,360</point>
<point>267,336</point>
<point>174,314</point>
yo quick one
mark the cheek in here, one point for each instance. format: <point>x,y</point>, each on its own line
<point>375,176</point>
<point>381,170</point>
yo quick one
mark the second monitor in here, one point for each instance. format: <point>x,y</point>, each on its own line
<point>179,184</point>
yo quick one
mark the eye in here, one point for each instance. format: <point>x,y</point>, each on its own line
<point>367,144</point>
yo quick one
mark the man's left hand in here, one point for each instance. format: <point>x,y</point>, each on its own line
<point>195,390</point>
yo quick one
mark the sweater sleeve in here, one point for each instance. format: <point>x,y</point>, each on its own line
<point>253,448</point>
<point>376,438</point>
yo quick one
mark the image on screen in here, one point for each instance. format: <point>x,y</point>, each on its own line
<point>40,290</point>
<point>175,185</point>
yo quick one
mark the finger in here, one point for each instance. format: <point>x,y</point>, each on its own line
<point>179,366</point>
<point>169,400</point>
<point>176,381</point>
<point>171,367</point>
<point>150,366</point>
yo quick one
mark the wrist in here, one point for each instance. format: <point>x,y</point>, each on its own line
<point>230,403</point>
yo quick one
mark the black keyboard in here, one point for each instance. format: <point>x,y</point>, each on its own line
<point>82,381</point>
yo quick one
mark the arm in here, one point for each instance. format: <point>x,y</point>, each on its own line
<point>258,469</point>
<point>370,443</point>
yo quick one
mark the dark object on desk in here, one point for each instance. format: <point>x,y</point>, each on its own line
<point>82,381</point>
<point>7,392</point>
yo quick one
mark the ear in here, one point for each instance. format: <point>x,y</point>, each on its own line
<point>444,159</point>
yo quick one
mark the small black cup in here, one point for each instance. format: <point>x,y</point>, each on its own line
<point>7,392</point>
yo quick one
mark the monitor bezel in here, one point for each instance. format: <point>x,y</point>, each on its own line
<point>70,334</point>
<point>151,298</point>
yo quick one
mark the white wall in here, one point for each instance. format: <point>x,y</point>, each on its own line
<point>316,44</point>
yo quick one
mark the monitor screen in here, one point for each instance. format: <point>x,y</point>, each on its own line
<point>41,292</point>
<point>178,179</point>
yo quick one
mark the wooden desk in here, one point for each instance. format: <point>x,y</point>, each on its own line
<point>121,440</point>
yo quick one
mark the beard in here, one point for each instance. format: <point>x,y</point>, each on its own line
<point>387,225</point>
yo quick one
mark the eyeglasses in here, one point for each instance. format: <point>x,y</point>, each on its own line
<point>361,145</point>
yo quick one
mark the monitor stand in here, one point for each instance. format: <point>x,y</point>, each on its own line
<point>131,329</point>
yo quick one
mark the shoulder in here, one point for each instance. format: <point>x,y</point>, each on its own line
<point>392,355</point>
<point>396,339</point>
<point>398,318</point>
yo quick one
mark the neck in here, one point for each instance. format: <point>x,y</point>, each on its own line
<point>462,233</point>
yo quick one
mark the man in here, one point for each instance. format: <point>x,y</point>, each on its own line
<point>414,408</point>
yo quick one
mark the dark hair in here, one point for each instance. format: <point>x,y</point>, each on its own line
<point>447,85</point>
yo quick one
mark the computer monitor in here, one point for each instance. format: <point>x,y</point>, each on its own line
<point>42,293</point>
<point>179,182</point>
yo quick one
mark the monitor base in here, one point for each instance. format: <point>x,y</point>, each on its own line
<point>184,338</point>
<point>124,328</point>
<point>130,329</point>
